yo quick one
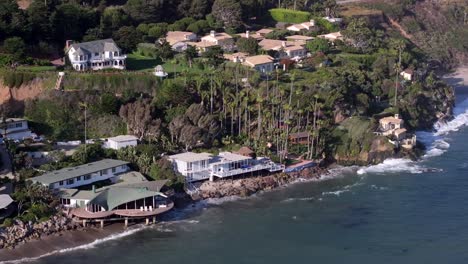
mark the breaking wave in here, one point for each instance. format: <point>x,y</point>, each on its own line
<point>82,247</point>
<point>393,166</point>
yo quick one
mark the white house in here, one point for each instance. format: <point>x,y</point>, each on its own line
<point>334,20</point>
<point>252,35</point>
<point>203,166</point>
<point>15,129</point>
<point>224,40</point>
<point>407,74</point>
<point>121,141</point>
<point>86,174</point>
<point>261,63</point>
<point>96,55</point>
<point>305,26</point>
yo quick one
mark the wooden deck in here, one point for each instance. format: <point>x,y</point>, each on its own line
<point>132,213</point>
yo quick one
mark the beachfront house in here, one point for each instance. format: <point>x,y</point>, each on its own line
<point>261,63</point>
<point>14,129</point>
<point>305,26</point>
<point>72,177</point>
<point>7,205</point>
<point>132,197</point>
<point>392,127</point>
<point>121,141</point>
<point>203,166</point>
<point>224,40</point>
<point>96,55</point>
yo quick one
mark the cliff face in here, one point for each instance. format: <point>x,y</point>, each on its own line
<point>12,98</point>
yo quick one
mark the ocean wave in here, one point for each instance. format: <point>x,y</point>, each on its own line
<point>336,193</point>
<point>393,166</point>
<point>82,247</point>
<point>219,201</point>
<point>288,200</point>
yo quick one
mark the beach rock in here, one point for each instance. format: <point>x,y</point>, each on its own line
<point>248,186</point>
<point>21,232</point>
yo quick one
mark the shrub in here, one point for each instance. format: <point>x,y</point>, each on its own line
<point>289,16</point>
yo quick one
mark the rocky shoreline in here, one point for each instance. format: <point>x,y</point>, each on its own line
<point>21,232</point>
<point>248,186</point>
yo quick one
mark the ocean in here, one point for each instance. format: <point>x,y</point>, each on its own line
<point>395,212</point>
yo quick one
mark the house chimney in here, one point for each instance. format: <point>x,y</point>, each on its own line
<point>283,44</point>
<point>212,33</point>
<point>312,22</point>
<point>68,43</point>
<point>247,34</point>
<point>397,116</point>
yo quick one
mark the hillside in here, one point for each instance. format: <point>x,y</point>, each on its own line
<point>438,28</point>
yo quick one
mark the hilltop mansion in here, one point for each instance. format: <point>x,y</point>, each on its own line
<point>96,55</point>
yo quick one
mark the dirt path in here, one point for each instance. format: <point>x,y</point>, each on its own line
<point>400,28</point>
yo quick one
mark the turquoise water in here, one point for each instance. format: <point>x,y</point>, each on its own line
<point>396,212</point>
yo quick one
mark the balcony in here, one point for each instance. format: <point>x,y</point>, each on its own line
<point>119,57</point>
<point>271,167</point>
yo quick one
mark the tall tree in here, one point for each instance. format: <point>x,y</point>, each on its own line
<point>229,12</point>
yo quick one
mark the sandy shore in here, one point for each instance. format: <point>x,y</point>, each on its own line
<point>458,78</point>
<point>61,242</point>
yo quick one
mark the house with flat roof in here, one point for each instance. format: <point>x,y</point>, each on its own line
<point>72,177</point>
<point>203,166</point>
<point>261,63</point>
<point>15,129</point>
<point>6,202</point>
<point>178,39</point>
<point>121,141</point>
<point>305,26</point>
<point>96,55</point>
<point>224,40</point>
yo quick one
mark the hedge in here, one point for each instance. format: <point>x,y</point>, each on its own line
<point>289,16</point>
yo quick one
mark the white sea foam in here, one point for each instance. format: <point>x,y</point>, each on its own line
<point>298,199</point>
<point>337,193</point>
<point>82,247</point>
<point>218,201</point>
<point>393,166</point>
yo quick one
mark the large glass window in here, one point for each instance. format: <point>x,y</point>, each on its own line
<point>70,181</point>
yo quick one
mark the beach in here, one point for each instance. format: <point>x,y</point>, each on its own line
<point>62,242</point>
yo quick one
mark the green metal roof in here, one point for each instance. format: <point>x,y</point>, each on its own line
<point>113,197</point>
<point>73,172</point>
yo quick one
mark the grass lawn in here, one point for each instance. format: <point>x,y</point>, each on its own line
<point>136,62</point>
<point>36,68</point>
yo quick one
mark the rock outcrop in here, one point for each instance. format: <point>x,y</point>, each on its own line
<point>21,232</point>
<point>249,186</point>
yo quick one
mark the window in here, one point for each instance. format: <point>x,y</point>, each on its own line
<point>103,172</point>
<point>114,169</point>
<point>87,177</point>
<point>189,166</point>
<point>70,181</point>
<point>60,183</point>
<point>96,54</point>
<point>124,167</point>
<point>19,124</point>
<point>78,178</point>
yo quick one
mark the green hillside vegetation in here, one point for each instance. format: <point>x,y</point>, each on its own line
<point>289,16</point>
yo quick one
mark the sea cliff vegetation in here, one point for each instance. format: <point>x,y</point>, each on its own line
<point>337,95</point>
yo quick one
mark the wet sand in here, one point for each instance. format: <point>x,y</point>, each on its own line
<point>60,242</point>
